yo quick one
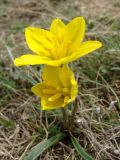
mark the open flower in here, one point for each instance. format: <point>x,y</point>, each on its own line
<point>57,89</point>
<point>62,44</point>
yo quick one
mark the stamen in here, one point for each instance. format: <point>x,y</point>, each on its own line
<point>55,97</point>
<point>50,39</point>
<point>68,45</point>
<point>59,89</point>
<point>66,99</point>
<point>51,52</point>
<point>65,90</point>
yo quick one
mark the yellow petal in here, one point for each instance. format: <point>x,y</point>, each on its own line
<point>50,91</point>
<point>51,76</point>
<point>66,99</point>
<point>62,60</point>
<point>74,91</point>
<point>47,105</point>
<point>87,47</point>
<point>75,31</point>
<point>38,89</point>
<point>30,59</point>
<point>39,40</point>
<point>65,76</point>
<point>57,27</point>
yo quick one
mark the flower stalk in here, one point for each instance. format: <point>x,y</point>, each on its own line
<point>68,125</point>
<point>64,118</point>
<point>73,114</point>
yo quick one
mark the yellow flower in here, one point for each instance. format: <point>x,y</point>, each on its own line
<point>62,44</point>
<point>57,89</point>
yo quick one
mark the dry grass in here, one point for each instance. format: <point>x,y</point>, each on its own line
<point>22,124</point>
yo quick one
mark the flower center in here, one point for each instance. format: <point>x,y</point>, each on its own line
<point>61,48</point>
<point>57,93</point>
<point>55,97</point>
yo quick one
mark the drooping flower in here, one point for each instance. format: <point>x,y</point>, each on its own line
<point>62,44</point>
<point>58,88</point>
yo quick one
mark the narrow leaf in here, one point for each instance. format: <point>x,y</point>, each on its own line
<point>42,146</point>
<point>80,149</point>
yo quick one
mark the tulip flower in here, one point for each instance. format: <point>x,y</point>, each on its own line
<point>57,89</point>
<point>62,44</point>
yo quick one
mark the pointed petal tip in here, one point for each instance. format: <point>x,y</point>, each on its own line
<point>32,89</point>
<point>57,19</point>
<point>27,29</point>
<point>36,89</point>
<point>80,18</point>
<point>99,44</point>
<point>16,62</point>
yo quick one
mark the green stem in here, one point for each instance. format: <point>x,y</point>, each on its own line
<point>64,118</point>
<point>73,114</point>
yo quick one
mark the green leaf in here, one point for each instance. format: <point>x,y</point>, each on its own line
<point>6,122</point>
<point>80,149</point>
<point>42,146</point>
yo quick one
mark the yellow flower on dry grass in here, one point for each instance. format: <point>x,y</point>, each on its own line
<point>62,44</point>
<point>58,88</point>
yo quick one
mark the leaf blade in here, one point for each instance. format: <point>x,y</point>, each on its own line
<point>81,151</point>
<point>42,146</point>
